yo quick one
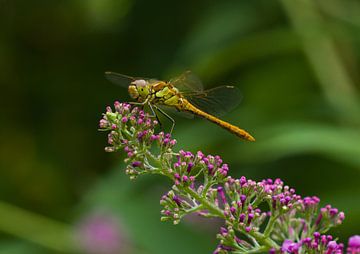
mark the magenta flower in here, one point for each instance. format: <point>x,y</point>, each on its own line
<point>353,245</point>
<point>259,216</point>
<point>100,233</point>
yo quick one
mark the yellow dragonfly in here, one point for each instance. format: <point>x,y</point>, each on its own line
<point>186,94</point>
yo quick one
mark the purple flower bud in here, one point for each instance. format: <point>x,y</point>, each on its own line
<point>314,245</point>
<point>316,235</point>
<point>286,246</point>
<point>354,245</point>
<point>333,211</point>
<point>124,119</point>
<point>282,201</point>
<point>136,164</point>
<point>272,251</point>
<point>185,178</point>
<point>223,231</point>
<point>200,155</point>
<point>189,167</point>
<point>224,169</point>
<point>332,245</point>
<point>167,212</point>
<point>218,160</point>
<point>205,160</point>
<point>274,202</point>
<point>210,168</point>
<point>126,107</point>
<point>154,137</point>
<point>177,200</point>
<point>226,248</point>
<point>250,217</point>
<point>148,123</point>
<point>103,123</point>
<point>307,241</point>
<point>323,240</point>
<point>222,194</point>
<point>242,180</point>
<point>173,142</point>
<point>189,155</point>
<point>287,199</point>
<point>318,220</point>
<point>341,216</point>
<point>117,105</point>
<point>242,199</point>
<point>141,134</point>
<point>242,217</point>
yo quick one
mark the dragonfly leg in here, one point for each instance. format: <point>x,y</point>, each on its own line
<point>141,104</point>
<point>154,114</point>
<point>167,116</point>
<point>137,103</point>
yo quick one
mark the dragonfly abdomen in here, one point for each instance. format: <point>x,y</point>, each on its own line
<point>187,106</point>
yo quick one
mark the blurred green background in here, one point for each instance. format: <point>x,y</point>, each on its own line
<point>295,61</point>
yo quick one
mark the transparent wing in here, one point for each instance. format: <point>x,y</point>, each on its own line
<point>187,83</point>
<point>216,101</point>
<point>119,79</point>
<point>173,111</point>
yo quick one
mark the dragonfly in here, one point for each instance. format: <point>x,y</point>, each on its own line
<point>184,93</point>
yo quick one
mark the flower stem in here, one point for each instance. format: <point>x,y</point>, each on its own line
<point>270,226</point>
<point>206,203</point>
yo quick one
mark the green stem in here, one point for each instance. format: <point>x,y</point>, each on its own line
<point>269,226</point>
<point>194,209</point>
<point>206,203</point>
<point>35,228</point>
<point>263,240</point>
<point>253,251</point>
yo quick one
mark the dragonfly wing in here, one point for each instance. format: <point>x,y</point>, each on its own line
<point>216,101</point>
<point>119,79</point>
<point>173,111</point>
<point>187,83</point>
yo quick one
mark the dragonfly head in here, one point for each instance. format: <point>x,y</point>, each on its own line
<point>139,89</point>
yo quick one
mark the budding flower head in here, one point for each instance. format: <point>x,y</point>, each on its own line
<point>201,185</point>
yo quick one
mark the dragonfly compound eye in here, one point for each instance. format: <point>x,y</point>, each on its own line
<point>139,83</point>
